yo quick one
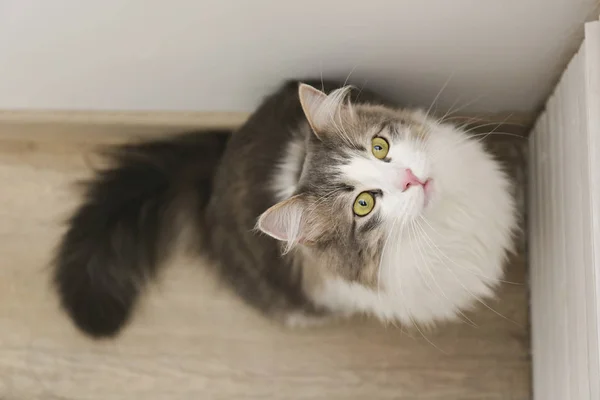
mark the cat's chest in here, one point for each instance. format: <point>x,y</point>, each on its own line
<point>341,296</point>
<point>422,286</point>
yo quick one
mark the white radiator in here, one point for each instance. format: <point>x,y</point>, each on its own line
<point>564,232</point>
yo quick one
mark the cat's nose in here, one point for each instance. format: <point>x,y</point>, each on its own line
<point>408,179</point>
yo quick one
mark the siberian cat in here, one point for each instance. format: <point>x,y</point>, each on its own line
<point>320,205</point>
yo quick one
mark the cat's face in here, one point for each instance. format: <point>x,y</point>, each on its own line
<point>373,177</point>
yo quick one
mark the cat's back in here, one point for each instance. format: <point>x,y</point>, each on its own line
<point>261,166</point>
<point>242,188</point>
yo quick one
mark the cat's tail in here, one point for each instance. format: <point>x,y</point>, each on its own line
<point>125,226</point>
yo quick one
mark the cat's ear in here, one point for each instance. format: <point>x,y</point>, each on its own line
<point>288,221</point>
<point>314,104</point>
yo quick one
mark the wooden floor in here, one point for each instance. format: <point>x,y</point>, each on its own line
<point>193,340</point>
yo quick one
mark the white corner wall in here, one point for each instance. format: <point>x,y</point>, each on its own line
<point>225,55</point>
<point>564,232</point>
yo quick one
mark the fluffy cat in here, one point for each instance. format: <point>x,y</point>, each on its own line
<point>320,205</point>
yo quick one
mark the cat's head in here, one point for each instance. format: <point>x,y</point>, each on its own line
<point>373,177</point>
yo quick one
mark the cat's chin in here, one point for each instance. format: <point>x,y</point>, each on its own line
<point>420,201</point>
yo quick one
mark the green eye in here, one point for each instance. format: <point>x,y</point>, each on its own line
<point>379,147</point>
<point>364,204</point>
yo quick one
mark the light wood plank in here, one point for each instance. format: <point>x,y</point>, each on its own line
<point>193,339</point>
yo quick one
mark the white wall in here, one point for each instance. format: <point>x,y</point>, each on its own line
<point>564,232</point>
<point>225,55</point>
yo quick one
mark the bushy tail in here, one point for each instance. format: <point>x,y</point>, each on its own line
<point>122,231</point>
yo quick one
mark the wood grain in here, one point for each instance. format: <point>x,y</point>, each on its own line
<point>193,339</point>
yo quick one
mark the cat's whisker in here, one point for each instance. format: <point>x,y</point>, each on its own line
<point>342,134</point>
<point>350,109</point>
<point>349,75</point>
<point>470,127</point>
<point>474,137</point>
<point>497,133</point>
<point>501,123</point>
<point>477,298</point>
<point>468,137</point>
<point>448,112</point>
<point>426,145</point>
<point>414,254</point>
<point>395,324</point>
<point>381,264</point>
<point>419,144</point>
<point>487,278</point>
<point>439,93</point>
<point>409,314</point>
<point>361,89</point>
<point>392,231</point>
<point>463,139</point>
<point>398,235</point>
<point>487,134</point>
<point>322,82</point>
<point>320,200</point>
<point>470,121</point>
<point>404,330</point>
<point>335,100</point>
<point>340,128</point>
<point>487,119</point>
<point>418,229</point>
<point>416,325</point>
<point>452,112</point>
<point>327,196</point>
<point>324,198</point>
<point>428,242</point>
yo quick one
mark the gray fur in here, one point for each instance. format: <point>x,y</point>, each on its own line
<point>122,231</point>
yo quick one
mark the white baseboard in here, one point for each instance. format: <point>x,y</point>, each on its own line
<point>163,118</point>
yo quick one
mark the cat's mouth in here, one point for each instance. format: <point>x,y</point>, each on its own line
<point>427,187</point>
<point>409,181</point>
<point>427,191</point>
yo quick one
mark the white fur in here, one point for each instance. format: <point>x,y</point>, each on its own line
<point>442,255</point>
<point>440,258</point>
<point>284,225</point>
<point>286,175</point>
<point>367,173</point>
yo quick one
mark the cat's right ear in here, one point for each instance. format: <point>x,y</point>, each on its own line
<point>289,222</point>
<point>314,104</point>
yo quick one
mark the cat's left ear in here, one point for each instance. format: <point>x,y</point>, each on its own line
<point>289,222</point>
<point>316,108</point>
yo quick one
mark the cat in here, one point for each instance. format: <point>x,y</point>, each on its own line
<point>325,203</point>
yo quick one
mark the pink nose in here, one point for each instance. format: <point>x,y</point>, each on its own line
<point>409,179</point>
